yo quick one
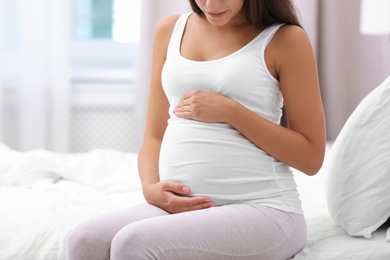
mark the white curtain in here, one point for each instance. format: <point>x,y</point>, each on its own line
<point>37,95</point>
<point>60,15</point>
<point>36,54</point>
<point>1,71</point>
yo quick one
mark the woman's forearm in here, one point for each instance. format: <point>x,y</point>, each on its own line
<point>286,145</point>
<point>148,161</point>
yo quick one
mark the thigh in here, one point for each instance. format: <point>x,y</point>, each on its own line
<point>91,239</point>
<point>227,232</point>
<point>109,224</point>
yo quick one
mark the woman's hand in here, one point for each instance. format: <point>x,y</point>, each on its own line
<point>171,197</point>
<point>203,105</point>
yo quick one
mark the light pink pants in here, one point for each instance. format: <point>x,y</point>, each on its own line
<point>226,232</point>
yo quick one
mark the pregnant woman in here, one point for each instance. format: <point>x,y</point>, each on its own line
<point>215,160</point>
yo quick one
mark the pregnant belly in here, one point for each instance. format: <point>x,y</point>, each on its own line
<point>214,160</point>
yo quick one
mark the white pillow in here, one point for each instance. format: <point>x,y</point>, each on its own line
<point>358,187</point>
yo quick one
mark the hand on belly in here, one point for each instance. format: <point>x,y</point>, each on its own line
<point>171,197</point>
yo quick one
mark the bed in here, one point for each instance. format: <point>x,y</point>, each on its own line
<point>43,194</point>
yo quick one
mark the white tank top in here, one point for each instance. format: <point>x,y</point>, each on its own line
<point>214,159</point>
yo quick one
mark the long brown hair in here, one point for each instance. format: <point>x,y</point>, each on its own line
<point>264,13</point>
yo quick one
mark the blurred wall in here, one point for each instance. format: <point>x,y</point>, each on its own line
<point>350,64</point>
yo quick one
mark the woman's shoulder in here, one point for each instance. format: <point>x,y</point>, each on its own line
<point>289,44</point>
<point>288,35</point>
<point>164,28</point>
<point>290,40</point>
<point>167,23</point>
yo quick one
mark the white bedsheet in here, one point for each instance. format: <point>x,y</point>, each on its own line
<point>43,195</point>
<point>327,241</point>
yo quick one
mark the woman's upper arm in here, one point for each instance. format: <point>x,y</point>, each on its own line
<point>158,105</point>
<point>294,63</point>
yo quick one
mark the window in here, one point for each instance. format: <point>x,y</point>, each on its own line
<point>117,20</point>
<point>105,36</point>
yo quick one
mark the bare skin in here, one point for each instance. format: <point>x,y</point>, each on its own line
<point>289,58</point>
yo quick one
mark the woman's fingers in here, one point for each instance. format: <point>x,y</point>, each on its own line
<point>183,204</point>
<point>175,187</point>
<point>202,105</point>
<point>176,200</point>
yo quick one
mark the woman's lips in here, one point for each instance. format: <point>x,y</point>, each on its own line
<point>217,15</point>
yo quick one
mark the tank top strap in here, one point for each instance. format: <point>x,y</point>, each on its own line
<point>177,34</point>
<point>267,34</point>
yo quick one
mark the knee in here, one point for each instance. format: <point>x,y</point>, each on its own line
<point>88,242</point>
<point>132,242</point>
